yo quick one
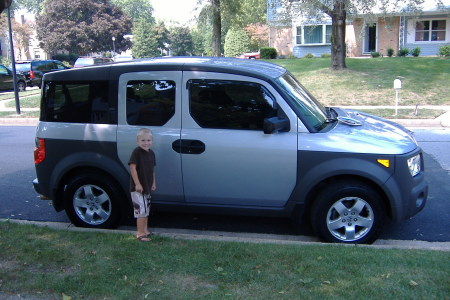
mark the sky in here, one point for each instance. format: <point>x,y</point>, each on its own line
<point>172,11</point>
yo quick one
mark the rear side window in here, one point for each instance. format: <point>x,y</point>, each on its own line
<point>150,102</point>
<point>230,104</point>
<point>39,65</point>
<point>48,65</point>
<point>78,102</point>
<point>23,67</point>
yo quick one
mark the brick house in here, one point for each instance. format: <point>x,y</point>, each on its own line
<point>429,30</point>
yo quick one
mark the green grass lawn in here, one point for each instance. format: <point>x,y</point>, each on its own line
<point>26,102</point>
<point>425,80</point>
<point>91,265</point>
<point>10,95</point>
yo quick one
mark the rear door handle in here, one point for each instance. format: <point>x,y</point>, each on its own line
<point>188,146</point>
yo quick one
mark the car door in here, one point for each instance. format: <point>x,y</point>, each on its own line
<point>227,160</point>
<point>152,100</point>
<point>6,79</point>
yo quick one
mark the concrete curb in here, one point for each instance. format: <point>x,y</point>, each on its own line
<point>244,237</point>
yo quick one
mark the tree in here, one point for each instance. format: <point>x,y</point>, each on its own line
<point>218,16</point>
<point>236,42</point>
<point>240,13</point>
<point>82,26</point>
<point>144,44</point>
<point>200,41</point>
<point>22,36</point>
<point>148,40</point>
<point>4,4</point>
<point>161,33</point>
<point>216,28</point>
<point>181,41</point>
<point>338,10</point>
<point>258,34</point>
<point>34,6</point>
<point>136,9</point>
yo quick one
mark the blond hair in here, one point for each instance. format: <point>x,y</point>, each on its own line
<point>143,131</point>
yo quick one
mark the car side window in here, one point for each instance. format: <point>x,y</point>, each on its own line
<point>78,102</point>
<point>38,65</point>
<point>227,104</point>
<point>150,102</point>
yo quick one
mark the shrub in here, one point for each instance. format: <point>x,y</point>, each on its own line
<point>309,55</point>
<point>390,52</point>
<point>415,52</point>
<point>444,50</point>
<point>236,42</point>
<point>375,54</point>
<point>403,52</point>
<point>268,53</point>
<point>325,55</point>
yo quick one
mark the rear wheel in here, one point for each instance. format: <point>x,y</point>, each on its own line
<point>21,86</point>
<point>92,200</point>
<point>348,212</point>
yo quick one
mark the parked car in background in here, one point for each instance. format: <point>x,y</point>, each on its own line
<point>250,55</point>
<point>33,70</point>
<point>123,58</point>
<point>6,80</point>
<point>84,61</point>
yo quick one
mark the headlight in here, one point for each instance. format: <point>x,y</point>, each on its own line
<point>414,164</point>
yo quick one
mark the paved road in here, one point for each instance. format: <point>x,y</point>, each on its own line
<point>19,201</point>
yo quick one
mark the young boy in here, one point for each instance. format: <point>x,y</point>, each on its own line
<point>142,181</point>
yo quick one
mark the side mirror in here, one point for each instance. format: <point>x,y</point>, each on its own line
<point>276,124</point>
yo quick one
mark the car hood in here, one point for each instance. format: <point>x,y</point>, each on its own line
<point>358,132</point>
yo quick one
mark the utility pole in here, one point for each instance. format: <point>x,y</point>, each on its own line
<point>13,63</point>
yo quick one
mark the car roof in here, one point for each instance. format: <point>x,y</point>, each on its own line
<point>254,68</point>
<point>29,61</point>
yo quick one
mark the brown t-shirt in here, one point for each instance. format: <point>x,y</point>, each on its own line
<point>145,163</point>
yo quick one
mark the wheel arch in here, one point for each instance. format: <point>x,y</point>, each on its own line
<point>83,163</point>
<point>313,193</point>
<point>315,172</point>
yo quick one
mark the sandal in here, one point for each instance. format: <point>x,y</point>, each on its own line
<point>143,238</point>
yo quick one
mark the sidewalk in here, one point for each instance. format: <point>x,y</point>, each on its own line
<point>244,237</point>
<point>441,121</point>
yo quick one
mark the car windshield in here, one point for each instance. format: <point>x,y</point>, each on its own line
<point>23,67</point>
<point>314,112</point>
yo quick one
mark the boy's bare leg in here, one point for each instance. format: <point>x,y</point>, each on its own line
<point>142,229</point>
<point>147,232</point>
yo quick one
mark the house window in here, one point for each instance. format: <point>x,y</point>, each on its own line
<point>313,34</point>
<point>430,30</point>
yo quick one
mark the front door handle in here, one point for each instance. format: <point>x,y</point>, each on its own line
<point>188,146</point>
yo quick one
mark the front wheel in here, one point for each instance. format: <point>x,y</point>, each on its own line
<point>91,200</point>
<point>348,212</point>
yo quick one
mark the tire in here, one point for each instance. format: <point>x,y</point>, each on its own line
<point>92,200</point>
<point>21,86</point>
<point>348,212</point>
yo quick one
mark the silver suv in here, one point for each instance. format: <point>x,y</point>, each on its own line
<point>230,136</point>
